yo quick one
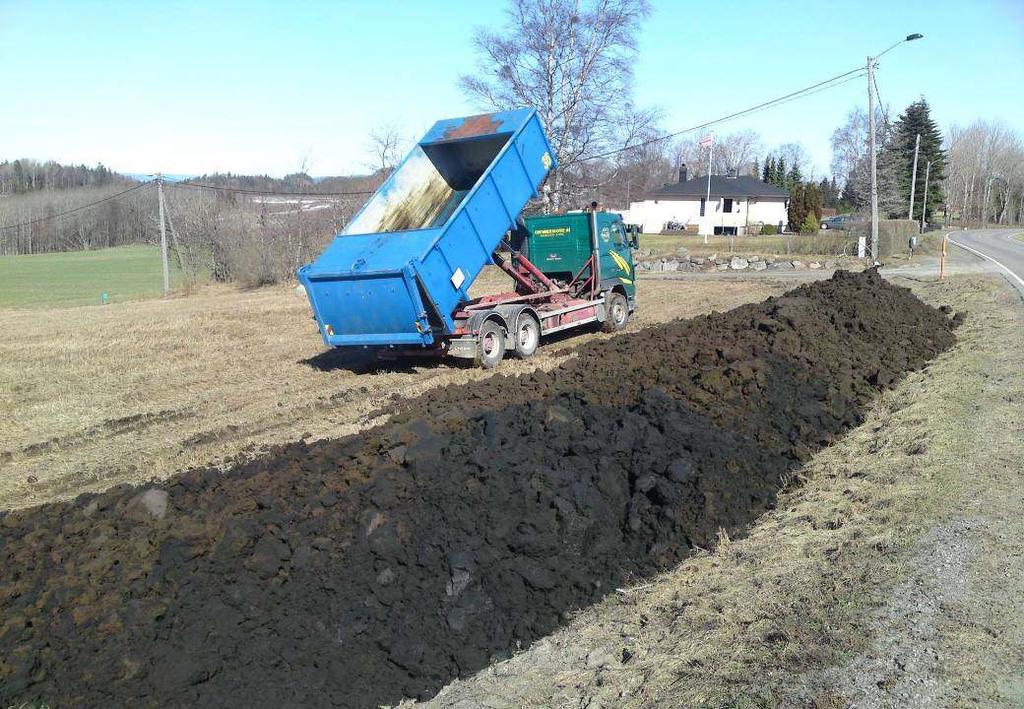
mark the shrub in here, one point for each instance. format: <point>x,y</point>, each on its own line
<point>810,225</point>
<point>768,230</point>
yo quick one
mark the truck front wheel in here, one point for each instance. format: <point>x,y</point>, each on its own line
<point>616,312</point>
<point>490,348</point>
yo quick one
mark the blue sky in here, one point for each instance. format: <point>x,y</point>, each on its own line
<point>259,87</point>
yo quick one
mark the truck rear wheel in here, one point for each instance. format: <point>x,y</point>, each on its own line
<point>527,335</point>
<point>490,347</point>
<point>616,312</point>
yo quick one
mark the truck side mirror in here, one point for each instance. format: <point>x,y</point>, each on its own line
<point>634,237</point>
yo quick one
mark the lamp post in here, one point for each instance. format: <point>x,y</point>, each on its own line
<point>871,65</point>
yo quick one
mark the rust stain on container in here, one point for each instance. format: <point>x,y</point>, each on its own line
<point>484,124</point>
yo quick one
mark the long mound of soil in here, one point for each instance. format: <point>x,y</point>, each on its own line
<point>357,571</point>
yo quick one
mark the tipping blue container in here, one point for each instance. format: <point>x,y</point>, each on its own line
<point>405,262</point>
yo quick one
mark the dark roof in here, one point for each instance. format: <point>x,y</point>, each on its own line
<point>721,186</point>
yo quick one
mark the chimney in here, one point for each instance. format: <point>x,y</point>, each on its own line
<point>732,173</point>
<point>682,173</point>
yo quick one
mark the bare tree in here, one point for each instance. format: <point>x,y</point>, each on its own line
<point>573,61</point>
<point>738,151</point>
<point>986,173</point>
<point>733,151</point>
<point>385,144</point>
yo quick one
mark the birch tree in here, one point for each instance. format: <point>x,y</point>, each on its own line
<point>572,60</point>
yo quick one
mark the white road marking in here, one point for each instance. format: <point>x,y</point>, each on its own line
<point>986,256</point>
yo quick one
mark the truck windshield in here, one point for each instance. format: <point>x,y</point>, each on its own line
<point>428,186</point>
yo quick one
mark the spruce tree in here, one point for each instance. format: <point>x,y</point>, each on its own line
<point>797,207</point>
<point>892,199</point>
<point>793,178</point>
<point>916,120</point>
<point>769,168</point>
<point>779,179</point>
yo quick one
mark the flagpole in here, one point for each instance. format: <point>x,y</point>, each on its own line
<point>707,200</point>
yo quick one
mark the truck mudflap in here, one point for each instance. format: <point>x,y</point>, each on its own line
<point>464,347</point>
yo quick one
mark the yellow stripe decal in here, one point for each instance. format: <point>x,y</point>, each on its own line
<point>621,262</point>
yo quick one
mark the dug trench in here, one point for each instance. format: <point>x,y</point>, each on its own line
<point>358,571</point>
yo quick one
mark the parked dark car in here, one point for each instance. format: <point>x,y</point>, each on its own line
<point>840,221</point>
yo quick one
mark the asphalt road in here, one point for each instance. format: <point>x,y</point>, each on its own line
<point>997,248</point>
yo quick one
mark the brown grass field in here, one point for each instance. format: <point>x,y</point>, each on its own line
<point>123,393</point>
<point>888,573</point>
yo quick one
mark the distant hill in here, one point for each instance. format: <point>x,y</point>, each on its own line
<point>143,176</point>
<point>296,182</point>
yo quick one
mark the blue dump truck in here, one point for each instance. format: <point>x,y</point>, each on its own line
<point>397,278</point>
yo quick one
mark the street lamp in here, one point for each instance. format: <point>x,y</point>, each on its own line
<point>872,62</point>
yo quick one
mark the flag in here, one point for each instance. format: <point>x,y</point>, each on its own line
<point>707,140</point>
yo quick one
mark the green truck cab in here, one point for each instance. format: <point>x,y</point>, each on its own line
<point>560,246</point>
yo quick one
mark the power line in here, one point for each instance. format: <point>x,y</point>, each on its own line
<point>186,183</point>
<point>76,209</point>
<point>801,93</point>
<point>821,85</point>
<point>777,102</point>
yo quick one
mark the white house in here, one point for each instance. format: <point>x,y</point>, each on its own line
<point>738,205</point>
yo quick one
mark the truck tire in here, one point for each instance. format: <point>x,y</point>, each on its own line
<point>490,345</point>
<point>527,335</point>
<point>616,312</point>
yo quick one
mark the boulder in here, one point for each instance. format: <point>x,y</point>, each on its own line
<point>782,266</point>
<point>671,265</point>
<point>830,265</point>
<point>151,503</point>
<point>738,264</point>
<point>758,265</point>
<point>798,264</point>
<point>814,264</point>
<point>722,266</point>
<point>697,260</point>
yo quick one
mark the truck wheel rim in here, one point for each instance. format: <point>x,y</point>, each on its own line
<point>489,344</point>
<point>526,336</point>
<point>618,312</point>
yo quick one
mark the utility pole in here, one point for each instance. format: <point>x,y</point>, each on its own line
<point>874,160</point>
<point>913,177</point>
<point>163,232</point>
<point>924,204</point>
<point>872,64</point>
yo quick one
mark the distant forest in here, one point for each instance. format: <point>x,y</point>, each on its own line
<point>21,176</point>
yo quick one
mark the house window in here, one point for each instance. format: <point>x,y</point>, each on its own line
<point>703,204</point>
<point>725,231</point>
<point>727,205</point>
